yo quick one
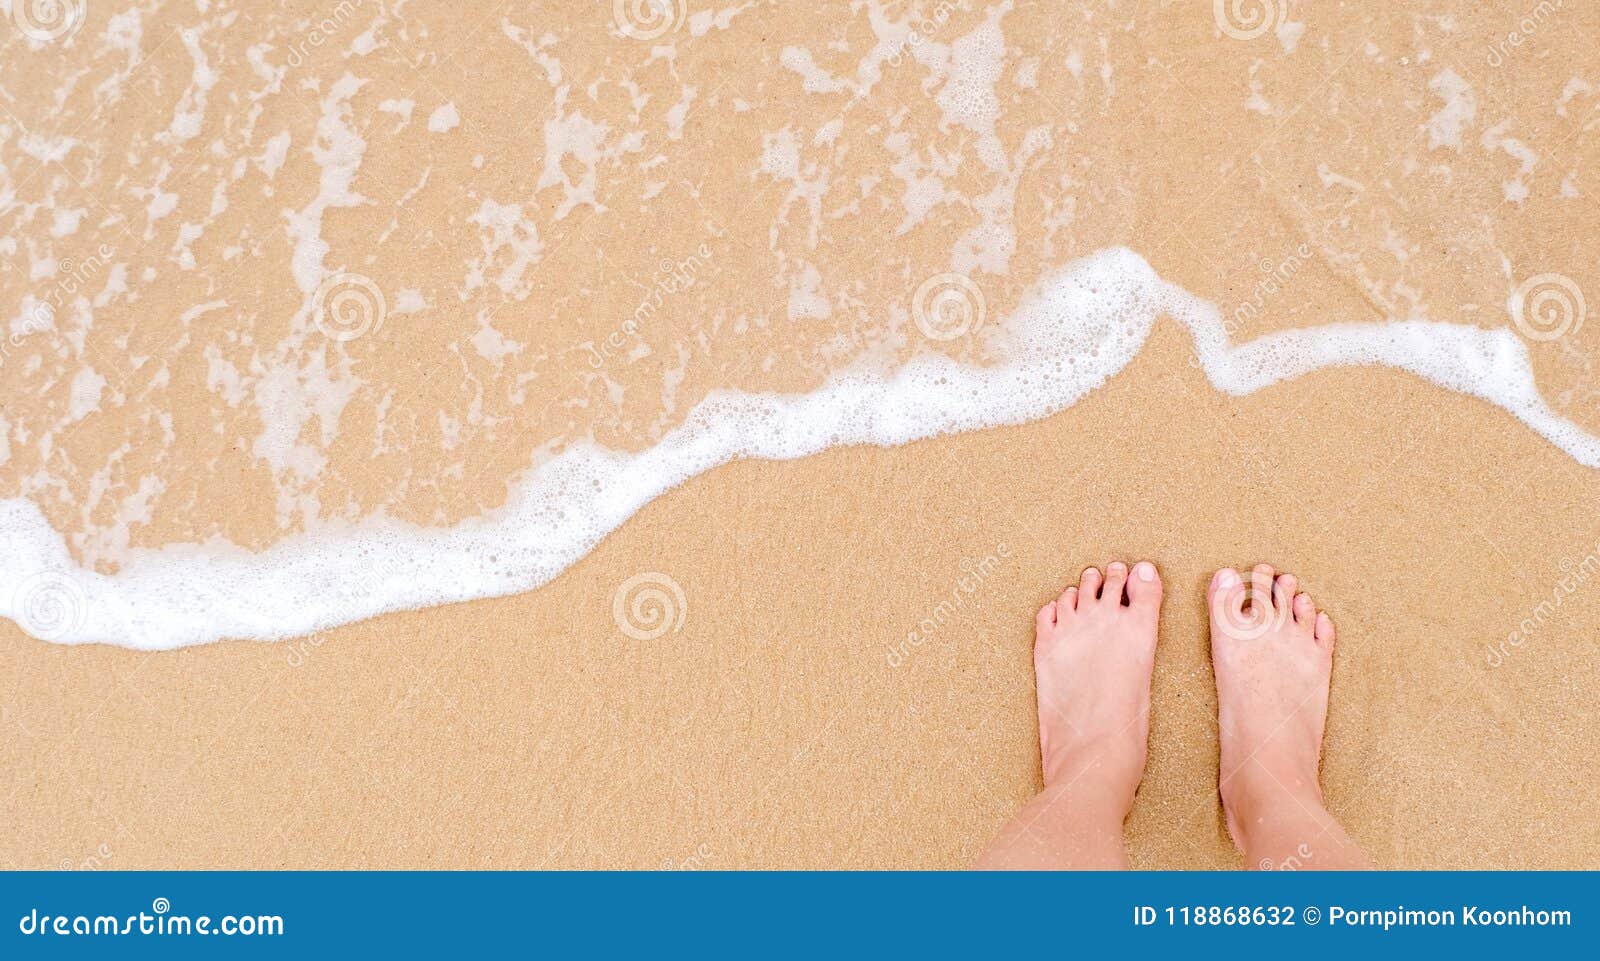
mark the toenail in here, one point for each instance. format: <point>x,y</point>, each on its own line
<point>1117,567</point>
<point>1145,570</point>
<point>1228,577</point>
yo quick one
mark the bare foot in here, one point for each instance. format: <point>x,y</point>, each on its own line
<point>1272,652</point>
<point>1093,650</point>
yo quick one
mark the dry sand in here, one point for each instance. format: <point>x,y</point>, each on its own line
<point>774,728</point>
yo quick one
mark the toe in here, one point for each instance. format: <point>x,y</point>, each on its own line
<point>1225,604</point>
<point>1261,578</point>
<point>1283,591</point>
<point>1089,585</point>
<point>1144,587</point>
<point>1304,610</point>
<point>1324,630</point>
<point>1116,580</point>
<point>1046,618</point>
<point>1223,581</point>
<point>1067,602</point>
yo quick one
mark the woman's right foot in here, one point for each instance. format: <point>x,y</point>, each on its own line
<point>1272,653</point>
<point>1093,650</point>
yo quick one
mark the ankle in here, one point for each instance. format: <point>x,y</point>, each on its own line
<point>1258,797</point>
<point>1092,783</point>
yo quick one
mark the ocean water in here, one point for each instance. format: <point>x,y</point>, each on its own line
<point>1078,329</point>
<point>369,308</point>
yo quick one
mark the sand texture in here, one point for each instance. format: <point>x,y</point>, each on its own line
<point>844,676</point>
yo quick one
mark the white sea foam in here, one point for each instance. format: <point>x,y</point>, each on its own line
<point>1079,328</point>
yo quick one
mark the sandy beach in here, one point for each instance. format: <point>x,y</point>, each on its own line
<point>843,675</point>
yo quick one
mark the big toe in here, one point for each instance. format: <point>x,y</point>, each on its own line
<point>1225,601</point>
<point>1223,583</point>
<point>1144,588</point>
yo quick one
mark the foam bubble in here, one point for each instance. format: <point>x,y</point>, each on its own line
<point>1079,328</point>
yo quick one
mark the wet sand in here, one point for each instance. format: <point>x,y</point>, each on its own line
<point>772,727</point>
